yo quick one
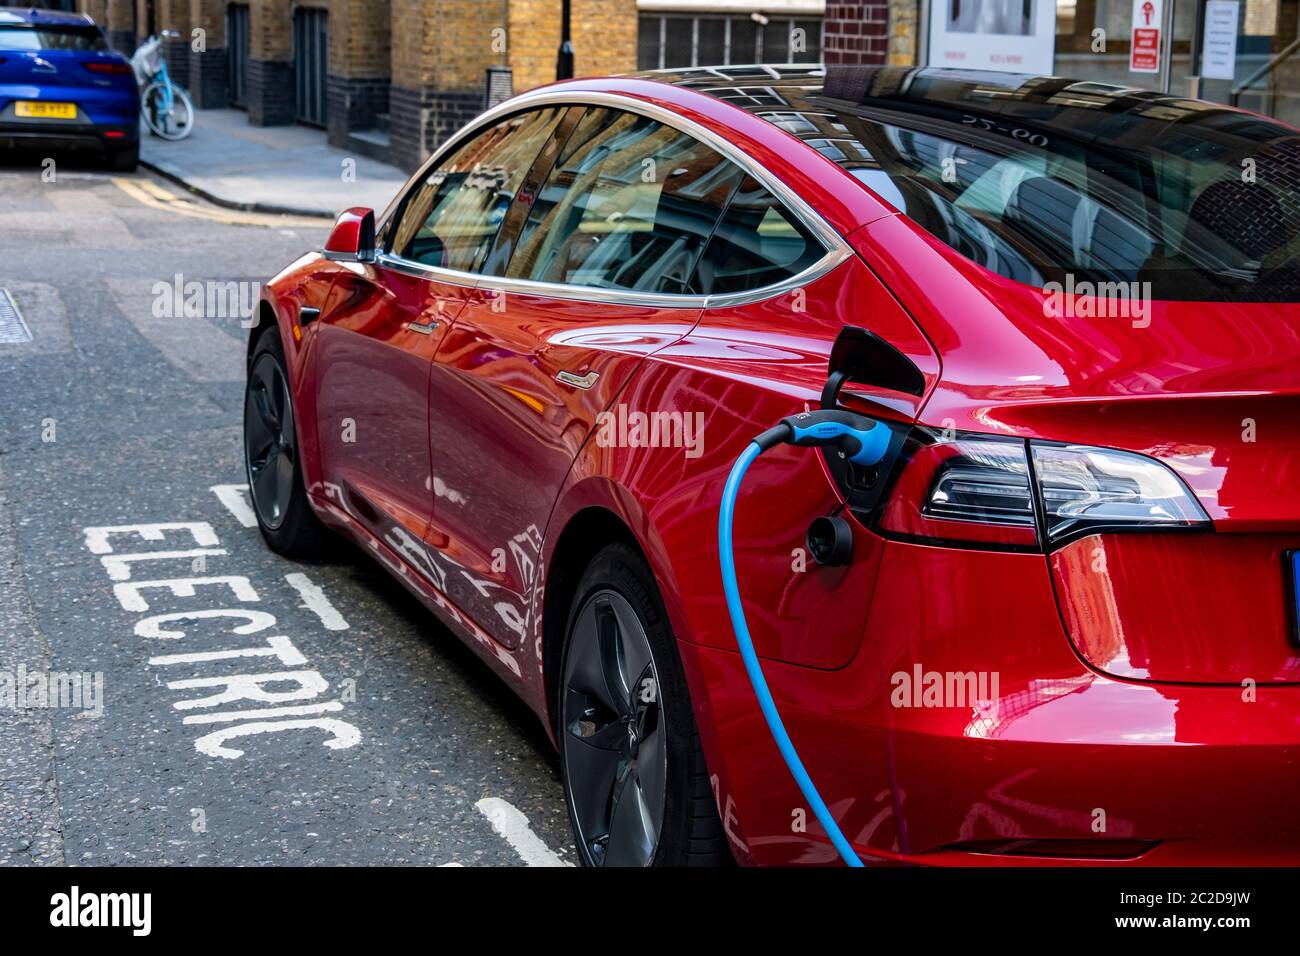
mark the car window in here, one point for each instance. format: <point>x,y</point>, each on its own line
<point>629,204</point>
<point>758,242</point>
<point>450,219</point>
<point>85,38</point>
<point>1205,209</point>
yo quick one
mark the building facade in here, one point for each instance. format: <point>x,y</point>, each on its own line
<point>386,78</point>
<point>393,78</point>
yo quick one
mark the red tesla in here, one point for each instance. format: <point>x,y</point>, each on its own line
<point>1056,622</point>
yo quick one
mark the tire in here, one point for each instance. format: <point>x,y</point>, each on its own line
<point>271,459</point>
<point>124,160</point>
<point>175,125</point>
<point>635,780</point>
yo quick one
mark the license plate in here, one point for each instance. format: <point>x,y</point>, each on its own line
<point>1291,567</point>
<point>41,110</point>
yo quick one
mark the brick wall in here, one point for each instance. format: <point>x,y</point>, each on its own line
<point>359,38</point>
<point>603,35</point>
<point>856,32</point>
<point>421,62</point>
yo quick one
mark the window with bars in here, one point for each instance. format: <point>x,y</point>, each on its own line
<point>681,41</point>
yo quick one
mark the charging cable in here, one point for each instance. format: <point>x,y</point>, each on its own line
<point>863,442</point>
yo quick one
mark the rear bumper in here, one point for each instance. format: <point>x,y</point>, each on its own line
<point>1054,752</point>
<point>85,137</point>
<point>108,120</point>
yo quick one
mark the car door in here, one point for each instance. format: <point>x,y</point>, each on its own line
<point>387,319</point>
<point>593,278</point>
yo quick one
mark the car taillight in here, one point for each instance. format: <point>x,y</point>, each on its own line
<point>969,488</point>
<point>978,490</point>
<point>1088,489</point>
<point>108,66</point>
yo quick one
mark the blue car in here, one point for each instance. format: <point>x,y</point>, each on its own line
<point>61,87</point>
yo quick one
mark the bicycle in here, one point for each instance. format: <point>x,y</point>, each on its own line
<point>167,108</point>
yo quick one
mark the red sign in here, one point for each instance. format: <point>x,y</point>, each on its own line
<point>1144,51</point>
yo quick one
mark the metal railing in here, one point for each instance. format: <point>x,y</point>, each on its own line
<point>1281,56</point>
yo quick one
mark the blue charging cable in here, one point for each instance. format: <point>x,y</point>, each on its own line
<point>863,442</point>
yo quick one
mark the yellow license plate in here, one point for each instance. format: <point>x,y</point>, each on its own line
<point>40,110</point>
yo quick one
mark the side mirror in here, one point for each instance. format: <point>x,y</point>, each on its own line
<point>864,357</point>
<point>353,237</point>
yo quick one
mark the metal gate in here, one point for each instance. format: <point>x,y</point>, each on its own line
<point>237,52</point>
<point>310,56</point>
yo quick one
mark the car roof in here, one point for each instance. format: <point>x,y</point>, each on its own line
<point>1077,109</point>
<point>33,17</point>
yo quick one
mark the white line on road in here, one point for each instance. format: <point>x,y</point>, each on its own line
<point>234,497</point>
<point>513,827</point>
<point>314,600</point>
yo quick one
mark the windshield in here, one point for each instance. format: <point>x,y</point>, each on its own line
<point>76,38</point>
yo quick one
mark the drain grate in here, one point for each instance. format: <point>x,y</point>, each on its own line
<point>12,326</point>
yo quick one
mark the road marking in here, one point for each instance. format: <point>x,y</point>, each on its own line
<point>149,186</point>
<point>328,707</point>
<point>149,194</point>
<point>118,566</point>
<point>512,826</point>
<point>235,498</point>
<point>314,600</point>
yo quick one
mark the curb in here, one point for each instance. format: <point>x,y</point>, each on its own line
<point>268,208</point>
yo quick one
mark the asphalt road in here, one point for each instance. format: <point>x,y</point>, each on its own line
<point>114,415</point>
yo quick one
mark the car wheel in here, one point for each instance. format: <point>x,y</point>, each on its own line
<point>635,780</point>
<point>271,458</point>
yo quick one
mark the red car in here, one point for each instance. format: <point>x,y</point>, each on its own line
<point>1057,622</point>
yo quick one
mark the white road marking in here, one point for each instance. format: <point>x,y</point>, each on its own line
<point>304,710</point>
<point>512,826</point>
<point>97,538</point>
<point>235,498</point>
<point>314,600</point>
<point>118,566</point>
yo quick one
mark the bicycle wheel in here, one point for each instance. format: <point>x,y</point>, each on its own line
<point>171,123</point>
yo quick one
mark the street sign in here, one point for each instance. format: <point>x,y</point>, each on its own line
<point>1144,52</point>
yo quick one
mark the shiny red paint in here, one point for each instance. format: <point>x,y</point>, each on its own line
<point>353,232</point>
<point>1120,712</point>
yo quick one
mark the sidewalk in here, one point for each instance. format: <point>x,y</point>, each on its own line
<point>284,169</point>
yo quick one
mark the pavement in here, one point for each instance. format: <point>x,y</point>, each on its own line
<point>274,169</point>
<point>118,413</point>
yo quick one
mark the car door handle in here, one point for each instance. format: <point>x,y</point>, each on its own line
<point>565,377</point>
<point>424,328</point>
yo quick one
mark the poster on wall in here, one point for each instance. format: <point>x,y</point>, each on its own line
<point>1220,62</point>
<point>1010,36</point>
<point>1144,53</point>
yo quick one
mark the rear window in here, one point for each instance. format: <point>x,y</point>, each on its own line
<point>1204,209</point>
<point>71,37</point>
